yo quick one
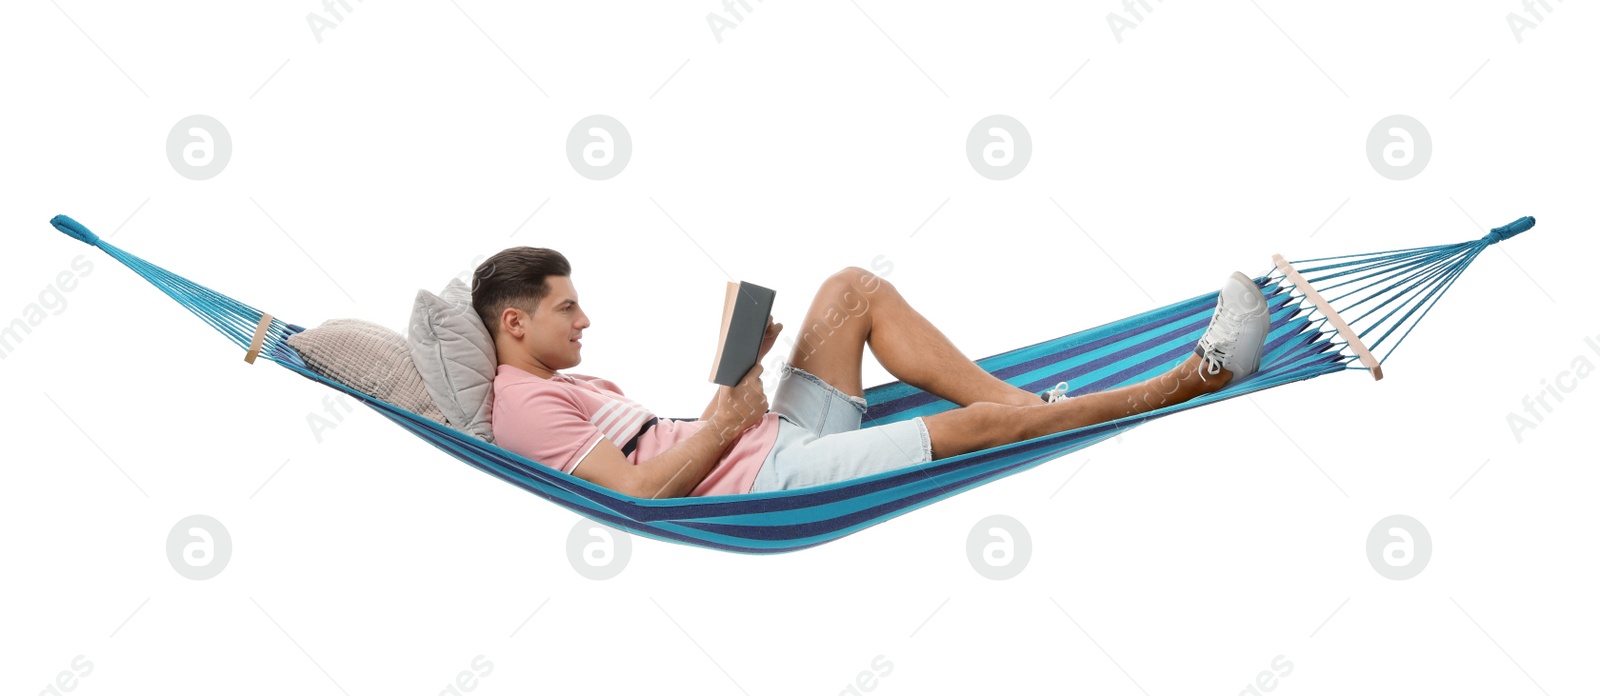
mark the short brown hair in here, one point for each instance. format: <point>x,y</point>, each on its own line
<point>514,278</point>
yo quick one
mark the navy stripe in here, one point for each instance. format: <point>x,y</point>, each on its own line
<point>627,448</point>
<point>633,442</point>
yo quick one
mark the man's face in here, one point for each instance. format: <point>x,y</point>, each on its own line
<point>549,336</point>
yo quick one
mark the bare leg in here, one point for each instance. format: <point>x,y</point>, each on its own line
<point>856,308</point>
<point>983,425</point>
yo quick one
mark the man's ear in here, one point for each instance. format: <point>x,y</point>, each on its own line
<point>508,318</point>
<point>514,323</point>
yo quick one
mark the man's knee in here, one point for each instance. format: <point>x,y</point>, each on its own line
<point>858,279</point>
<point>973,427</point>
<point>996,420</point>
<point>853,290</point>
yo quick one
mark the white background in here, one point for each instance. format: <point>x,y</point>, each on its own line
<point>418,136</point>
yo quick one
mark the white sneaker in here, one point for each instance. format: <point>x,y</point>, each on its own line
<point>1055,393</point>
<point>1238,331</point>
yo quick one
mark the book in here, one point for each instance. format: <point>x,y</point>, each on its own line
<point>745,311</point>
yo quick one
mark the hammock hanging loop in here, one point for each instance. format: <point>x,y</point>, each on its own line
<point>1510,229</point>
<point>75,229</point>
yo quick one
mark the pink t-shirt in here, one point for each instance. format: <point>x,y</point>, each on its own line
<point>558,421</point>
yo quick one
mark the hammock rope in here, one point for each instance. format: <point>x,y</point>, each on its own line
<point>1300,345</point>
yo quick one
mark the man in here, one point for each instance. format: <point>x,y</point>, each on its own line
<point>812,434</point>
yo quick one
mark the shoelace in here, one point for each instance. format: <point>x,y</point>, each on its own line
<point>1225,327</point>
<point>1055,393</point>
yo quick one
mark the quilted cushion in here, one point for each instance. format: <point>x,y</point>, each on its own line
<point>455,356</point>
<point>368,358</point>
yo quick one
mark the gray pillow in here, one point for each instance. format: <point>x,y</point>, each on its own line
<point>368,358</point>
<point>455,356</point>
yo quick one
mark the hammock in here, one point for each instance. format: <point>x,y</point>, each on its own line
<point>1328,314</point>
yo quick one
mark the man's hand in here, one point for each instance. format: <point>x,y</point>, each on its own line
<point>771,337</point>
<point>737,408</point>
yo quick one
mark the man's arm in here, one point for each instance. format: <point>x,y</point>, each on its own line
<point>676,472</point>
<point>671,474</point>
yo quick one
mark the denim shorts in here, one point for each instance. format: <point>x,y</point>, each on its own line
<point>820,438</point>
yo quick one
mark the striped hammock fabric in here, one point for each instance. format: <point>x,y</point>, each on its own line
<point>1328,314</point>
